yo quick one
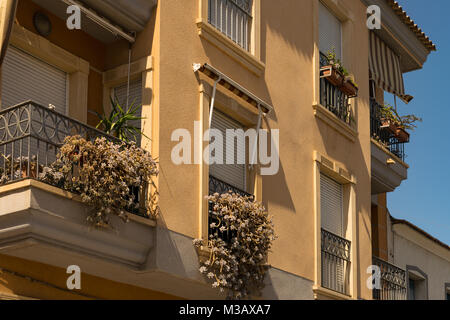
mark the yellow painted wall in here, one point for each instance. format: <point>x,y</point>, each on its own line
<point>288,35</point>
<point>287,47</point>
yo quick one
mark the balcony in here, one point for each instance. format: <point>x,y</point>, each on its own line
<point>332,98</point>
<point>45,223</point>
<point>382,135</point>
<point>393,282</point>
<point>388,155</point>
<point>335,254</point>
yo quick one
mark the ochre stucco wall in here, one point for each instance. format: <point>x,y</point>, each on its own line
<point>35,280</point>
<point>287,47</point>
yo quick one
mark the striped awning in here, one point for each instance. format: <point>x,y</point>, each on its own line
<point>385,68</point>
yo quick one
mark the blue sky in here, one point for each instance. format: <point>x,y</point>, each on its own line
<point>424,199</point>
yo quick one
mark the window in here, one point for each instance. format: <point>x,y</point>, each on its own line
<point>134,99</point>
<point>334,247</point>
<point>233,18</point>
<point>25,77</point>
<point>331,204</point>
<point>330,32</point>
<point>232,174</point>
<point>417,283</point>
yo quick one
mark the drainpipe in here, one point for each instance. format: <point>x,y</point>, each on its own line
<point>8,15</point>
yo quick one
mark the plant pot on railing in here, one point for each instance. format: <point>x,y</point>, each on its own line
<point>332,75</point>
<point>349,88</point>
<point>396,130</point>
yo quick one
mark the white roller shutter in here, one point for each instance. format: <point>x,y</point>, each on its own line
<point>331,205</point>
<point>233,174</point>
<point>330,32</point>
<point>134,99</point>
<point>25,77</point>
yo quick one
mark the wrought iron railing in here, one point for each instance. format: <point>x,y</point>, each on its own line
<point>332,98</point>
<point>31,136</point>
<point>392,282</point>
<point>221,187</point>
<point>382,134</point>
<point>335,262</point>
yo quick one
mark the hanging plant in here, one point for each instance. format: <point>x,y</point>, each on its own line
<point>237,266</point>
<point>105,174</point>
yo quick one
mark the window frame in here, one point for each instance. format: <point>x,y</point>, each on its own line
<point>246,34</point>
<point>419,277</point>
<point>247,118</point>
<point>249,59</point>
<point>336,171</point>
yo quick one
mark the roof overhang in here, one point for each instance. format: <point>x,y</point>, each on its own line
<point>407,40</point>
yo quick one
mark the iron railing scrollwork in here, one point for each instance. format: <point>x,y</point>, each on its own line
<point>332,98</point>
<point>392,282</point>
<point>381,134</point>
<point>31,136</point>
<point>335,262</point>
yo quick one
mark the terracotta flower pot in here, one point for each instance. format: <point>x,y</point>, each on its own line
<point>333,76</point>
<point>389,125</point>
<point>396,130</point>
<point>401,135</point>
<point>349,89</point>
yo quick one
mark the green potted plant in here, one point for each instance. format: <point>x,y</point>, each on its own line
<point>334,72</point>
<point>337,75</point>
<point>119,122</point>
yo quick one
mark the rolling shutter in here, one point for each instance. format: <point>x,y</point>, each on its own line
<point>233,174</point>
<point>330,32</point>
<point>26,78</point>
<point>331,205</point>
<point>134,99</point>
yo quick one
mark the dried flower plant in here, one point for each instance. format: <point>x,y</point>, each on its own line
<point>105,174</point>
<point>407,122</point>
<point>238,265</point>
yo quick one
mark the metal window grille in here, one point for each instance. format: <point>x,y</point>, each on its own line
<point>393,282</point>
<point>233,18</point>
<point>335,262</point>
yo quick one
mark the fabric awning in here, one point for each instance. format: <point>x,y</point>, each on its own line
<point>385,68</point>
<point>7,15</point>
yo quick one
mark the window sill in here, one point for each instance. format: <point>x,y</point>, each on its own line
<point>215,37</point>
<point>321,293</point>
<point>330,119</point>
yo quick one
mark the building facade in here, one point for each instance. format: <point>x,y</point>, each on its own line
<point>196,65</point>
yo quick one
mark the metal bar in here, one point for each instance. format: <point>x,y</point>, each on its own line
<point>213,98</point>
